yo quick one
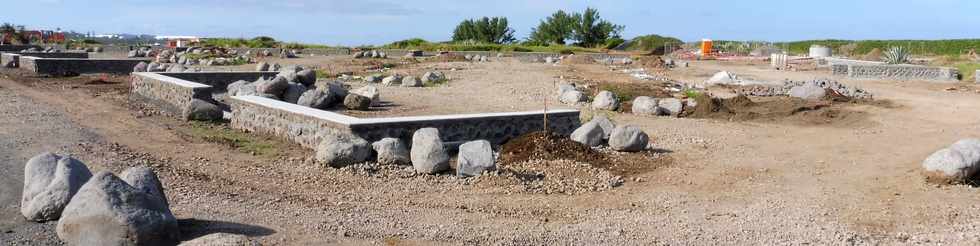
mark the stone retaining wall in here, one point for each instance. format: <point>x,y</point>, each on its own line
<point>172,92</point>
<point>69,66</point>
<point>7,56</point>
<point>308,126</point>
<point>896,72</point>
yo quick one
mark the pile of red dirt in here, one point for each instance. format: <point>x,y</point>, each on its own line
<point>794,110</point>
<point>650,62</point>
<point>547,146</point>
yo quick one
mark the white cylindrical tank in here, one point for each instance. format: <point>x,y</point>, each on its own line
<point>819,51</point>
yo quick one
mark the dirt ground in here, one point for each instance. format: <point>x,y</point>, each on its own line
<point>727,182</point>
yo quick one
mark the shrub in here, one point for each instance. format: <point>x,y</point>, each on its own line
<point>897,55</point>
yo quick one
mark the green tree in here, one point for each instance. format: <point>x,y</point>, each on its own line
<point>554,29</point>
<point>592,30</point>
<point>489,30</point>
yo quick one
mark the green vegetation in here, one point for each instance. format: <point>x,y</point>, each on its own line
<point>486,30</point>
<point>588,29</point>
<point>218,133</point>
<point>420,44</point>
<point>692,93</point>
<point>897,55</point>
<point>652,42</point>
<point>968,70</point>
<point>257,42</point>
<point>916,47</point>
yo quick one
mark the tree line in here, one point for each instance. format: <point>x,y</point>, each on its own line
<point>586,29</point>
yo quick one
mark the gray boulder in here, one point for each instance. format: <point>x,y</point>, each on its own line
<point>572,97</point>
<point>275,86</point>
<point>306,77</point>
<point>589,134</point>
<point>316,98</point>
<point>671,106</point>
<point>234,87</point>
<point>391,151</point>
<point>604,123</point>
<point>247,89</point>
<point>391,80</point>
<point>565,87</point>
<point>144,179</point>
<point>411,81</point>
<point>474,158</point>
<point>628,139</point>
<point>262,67</point>
<point>293,92</point>
<point>220,239</point>
<point>202,110</point>
<point>357,102</point>
<point>428,154</point>
<point>644,105</point>
<point>176,68</point>
<point>336,88</point>
<point>289,75</point>
<point>807,92</point>
<point>430,77</point>
<point>140,67</point>
<point>605,100</point>
<point>108,211</point>
<point>133,53</point>
<point>50,181</point>
<point>959,162</point>
<point>370,92</point>
<point>342,150</point>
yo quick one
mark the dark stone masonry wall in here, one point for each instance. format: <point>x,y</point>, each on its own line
<point>896,72</point>
<point>69,66</point>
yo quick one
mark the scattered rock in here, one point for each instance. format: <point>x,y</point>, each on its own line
<point>202,110</point>
<point>628,138</point>
<point>275,86</point>
<point>474,158</point>
<point>807,92</point>
<point>50,181</point>
<point>220,239</point>
<point>354,101</point>
<point>572,97</point>
<point>589,134</point>
<point>604,123</point>
<point>144,179</point>
<point>428,154</point>
<point>605,100</point>
<point>293,92</point>
<point>644,105</point>
<point>372,78</point>
<point>670,106</point>
<point>430,77</point>
<point>316,98</point>
<point>262,67</point>
<point>341,150</point>
<point>140,67</point>
<point>956,164</point>
<point>411,81</point>
<point>391,151</point>
<point>234,87</point>
<point>370,92</point>
<point>306,77</point>
<point>108,211</point>
<point>391,80</point>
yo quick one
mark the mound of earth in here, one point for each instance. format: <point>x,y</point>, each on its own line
<point>542,147</point>
<point>650,62</point>
<point>741,108</point>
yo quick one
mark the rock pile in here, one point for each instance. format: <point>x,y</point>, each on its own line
<point>788,85</point>
<point>50,181</point>
<point>156,67</point>
<point>568,93</point>
<point>298,85</point>
<point>601,131</point>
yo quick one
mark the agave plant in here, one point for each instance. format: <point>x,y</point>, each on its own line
<point>897,55</point>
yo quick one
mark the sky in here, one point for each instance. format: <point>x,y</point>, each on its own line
<point>360,22</point>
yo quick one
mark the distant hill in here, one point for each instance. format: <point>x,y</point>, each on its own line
<point>649,43</point>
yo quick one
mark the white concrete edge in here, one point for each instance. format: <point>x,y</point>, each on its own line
<point>352,121</point>
<point>176,81</point>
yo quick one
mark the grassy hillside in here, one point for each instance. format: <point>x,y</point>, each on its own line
<point>918,47</point>
<point>651,42</point>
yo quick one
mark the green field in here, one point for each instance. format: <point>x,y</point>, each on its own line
<point>860,47</point>
<point>420,44</point>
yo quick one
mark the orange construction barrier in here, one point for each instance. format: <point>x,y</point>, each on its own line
<point>706,47</point>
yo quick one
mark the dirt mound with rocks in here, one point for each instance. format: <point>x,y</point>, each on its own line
<point>448,57</point>
<point>650,62</point>
<point>774,109</point>
<point>546,146</point>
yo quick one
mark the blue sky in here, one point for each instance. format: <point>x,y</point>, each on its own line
<point>382,21</point>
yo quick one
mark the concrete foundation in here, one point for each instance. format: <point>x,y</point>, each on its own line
<point>308,126</point>
<point>172,92</point>
<point>15,56</point>
<point>896,72</point>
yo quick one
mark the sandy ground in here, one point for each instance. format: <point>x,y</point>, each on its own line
<point>730,182</point>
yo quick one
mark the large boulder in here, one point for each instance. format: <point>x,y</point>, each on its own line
<point>50,181</point>
<point>671,106</point>
<point>140,67</point>
<point>474,158</point>
<point>604,123</point>
<point>644,105</point>
<point>289,74</point>
<point>341,150</point>
<point>430,77</point>
<point>391,151</point>
<point>428,153</point>
<point>722,78</point>
<point>565,87</point>
<point>628,138</point>
<point>808,92</point>
<point>202,110</point>
<point>605,100</point>
<point>411,81</point>
<point>144,179</point>
<point>370,92</point>
<point>234,87</point>
<point>958,163</point>
<point>262,67</point>
<point>372,78</point>
<point>109,211</point>
<point>391,80</point>
<point>572,97</point>
<point>275,86</point>
<point>293,92</point>
<point>247,89</point>
<point>306,77</point>
<point>316,98</point>
<point>589,134</point>
<point>357,102</point>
